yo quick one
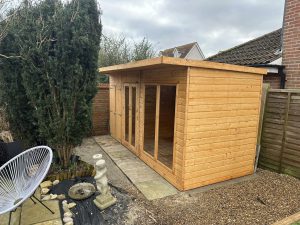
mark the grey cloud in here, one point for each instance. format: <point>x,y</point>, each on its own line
<point>215,24</point>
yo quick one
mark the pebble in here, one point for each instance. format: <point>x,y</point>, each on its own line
<point>55,182</point>
<point>69,223</point>
<point>71,205</point>
<point>46,184</point>
<point>65,206</point>
<point>45,191</point>
<point>61,197</point>
<point>53,196</point>
<point>68,214</point>
<point>67,219</point>
<point>46,198</point>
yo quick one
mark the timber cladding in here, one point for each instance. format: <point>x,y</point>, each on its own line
<point>280,142</point>
<point>222,125</point>
<point>216,120</point>
<point>100,113</point>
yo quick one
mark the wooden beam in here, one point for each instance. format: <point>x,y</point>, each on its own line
<point>164,61</point>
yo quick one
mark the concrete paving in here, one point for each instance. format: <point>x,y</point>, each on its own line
<point>36,214</point>
<point>115,176</point>
<point>293,219</point>
<point>150,183</point>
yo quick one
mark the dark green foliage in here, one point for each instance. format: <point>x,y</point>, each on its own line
<point>56,73</point>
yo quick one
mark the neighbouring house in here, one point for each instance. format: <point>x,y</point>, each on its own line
<point>278,51</point>
<point>291,43</point>
<point>264,51</point>
<point>194,122</point>
<point>187,51</point>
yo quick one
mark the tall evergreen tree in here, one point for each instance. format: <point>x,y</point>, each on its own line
<point>59,54</point>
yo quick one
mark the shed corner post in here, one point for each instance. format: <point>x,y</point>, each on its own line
<point>264,96</point>
<point>185,128</point>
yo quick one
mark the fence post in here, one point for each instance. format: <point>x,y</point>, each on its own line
<point>284,129</point>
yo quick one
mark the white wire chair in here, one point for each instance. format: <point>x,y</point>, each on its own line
<point>21,176</point>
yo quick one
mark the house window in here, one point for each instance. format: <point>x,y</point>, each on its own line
<point>176,53</point>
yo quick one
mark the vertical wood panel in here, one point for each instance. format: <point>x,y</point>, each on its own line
<point>280,149</point>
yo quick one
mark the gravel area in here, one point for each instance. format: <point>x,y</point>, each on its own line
<point>263,200</point>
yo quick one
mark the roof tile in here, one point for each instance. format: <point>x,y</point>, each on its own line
<point>261,50</point>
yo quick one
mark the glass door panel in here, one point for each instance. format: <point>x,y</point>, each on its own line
<point>127,113</point>
<point>133,116</point>
<point>167,102</point>
<point>149,119</point>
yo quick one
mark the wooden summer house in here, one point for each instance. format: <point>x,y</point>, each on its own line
<point>193,122</point>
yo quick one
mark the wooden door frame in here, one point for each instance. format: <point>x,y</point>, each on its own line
<point>154,159</point>
<point>127,144</point>
<point>112,112</point>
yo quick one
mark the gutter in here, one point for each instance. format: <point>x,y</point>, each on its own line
<point>281,72</point>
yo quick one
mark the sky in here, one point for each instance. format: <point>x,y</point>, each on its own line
<point>215,24</point>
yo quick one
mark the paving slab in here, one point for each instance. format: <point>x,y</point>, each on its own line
<point>289,220</point>
<point>51,222</point>
<point>36,213</point>
<point>154,189</point>
<point>150,183</point>
<point>15,216</point>
<point>31,213</point>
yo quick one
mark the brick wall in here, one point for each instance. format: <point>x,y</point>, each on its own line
<point>273,80</point>
<point>101,111</point>
<point>291,43</point>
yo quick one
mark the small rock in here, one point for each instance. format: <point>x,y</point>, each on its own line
<point>71,205</point>
<point>65,206</point>
<point>67,219</point>
<point>68,214</point>
<point>66,209</point>
<point>46,198</point>
<point>61,197</point>
<point>45,191</point>
<point>52,197</point>
<point>69,223</point>
<point>55,182</point>
<point>46,184</point>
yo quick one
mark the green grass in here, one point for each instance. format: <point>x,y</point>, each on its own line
<point>296,223</point>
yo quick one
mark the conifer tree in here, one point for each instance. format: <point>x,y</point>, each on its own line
<point>59,46</point>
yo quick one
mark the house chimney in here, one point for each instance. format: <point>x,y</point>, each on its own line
<point>291,43</point>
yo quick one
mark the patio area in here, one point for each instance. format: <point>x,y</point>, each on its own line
<point>36,214</point>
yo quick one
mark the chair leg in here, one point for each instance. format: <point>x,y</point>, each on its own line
<point>10,213</point>
<point>9,217</point>
<point>42,204</point>
<point>32,200</point>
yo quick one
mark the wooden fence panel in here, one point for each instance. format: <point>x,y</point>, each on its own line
<point>101,111</point>
<point>280,142</point>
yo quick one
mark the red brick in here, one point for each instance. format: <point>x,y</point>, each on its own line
<point>291,43</point>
